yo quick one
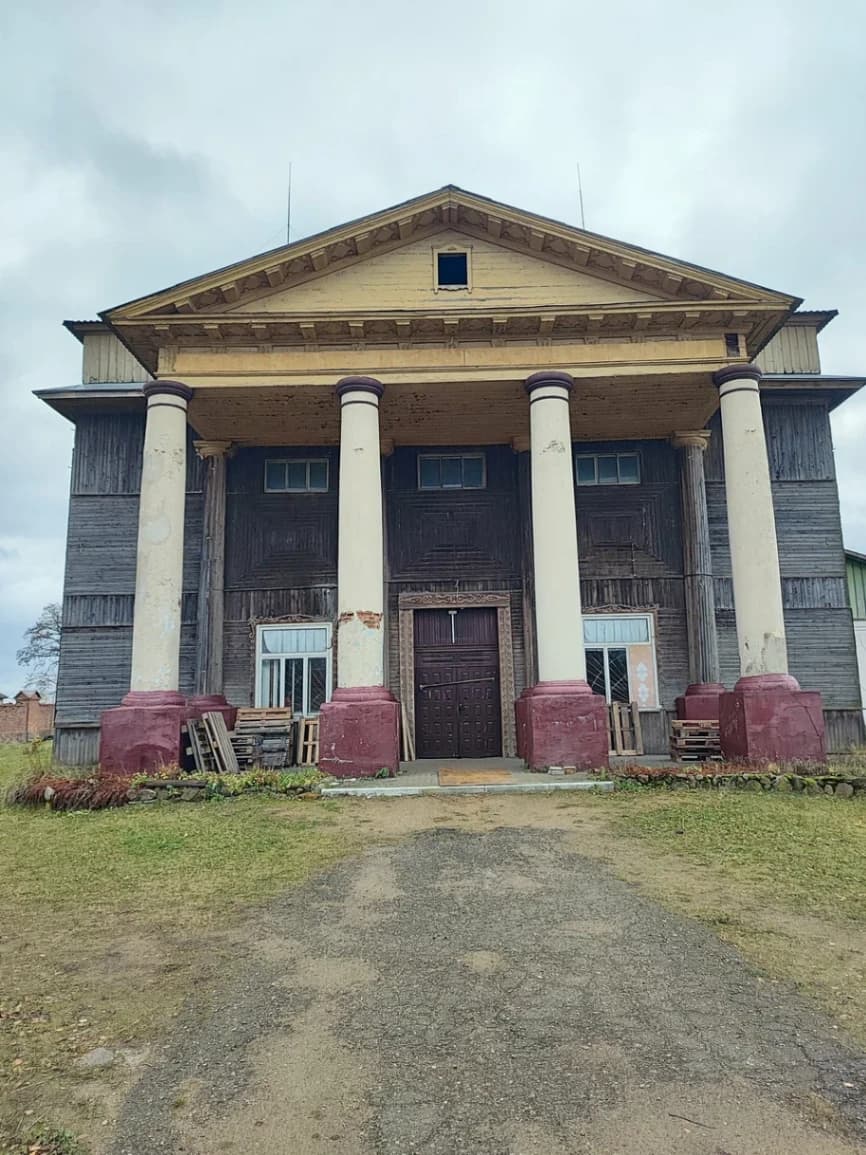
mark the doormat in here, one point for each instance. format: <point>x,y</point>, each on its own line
<point>451,777</point>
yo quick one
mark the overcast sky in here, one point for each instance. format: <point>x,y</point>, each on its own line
<point>143,143</point>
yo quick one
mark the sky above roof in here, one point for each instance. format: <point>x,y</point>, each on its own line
<point>144,144</point>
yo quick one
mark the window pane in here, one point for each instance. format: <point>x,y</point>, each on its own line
<point>317,672</point>
<point>296,475</point>
<point>319,475</point>
<point>473,472</point>
<point>429,472</point>
<point>586,471</point>
<point>452,473</point>
<point>607,472</point>
<point>618,672</point>
<point>611,629</point>
<point>595,671</point>
<point>628,468</point>
<point>275,475</point>
<point>293,695</point>
<point>452,269</point>
<point>270,684</point>
<point>295,640</point>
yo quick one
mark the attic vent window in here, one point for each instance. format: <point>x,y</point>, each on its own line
<point>452,270</point>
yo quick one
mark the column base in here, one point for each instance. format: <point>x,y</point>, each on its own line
<point>768,718</point>
<point>142,733</point>
<point>359,733</point>
<point>700,702</point>
<point>562,724</point>
<point>200,704</point>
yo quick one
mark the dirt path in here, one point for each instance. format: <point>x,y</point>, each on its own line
<point>493,992</point>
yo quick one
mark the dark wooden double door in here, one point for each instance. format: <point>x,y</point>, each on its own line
<point>457,704</point>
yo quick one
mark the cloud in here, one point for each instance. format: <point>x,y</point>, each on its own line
<point>143,144</point>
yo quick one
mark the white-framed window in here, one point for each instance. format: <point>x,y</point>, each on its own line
<point>296,475</point>
<point>452,471</point>
<point>621,657</point>
<point>452,269</point>
<point>607,468</point>
<point>293,666</point>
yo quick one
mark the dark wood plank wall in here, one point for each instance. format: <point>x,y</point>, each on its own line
<point>454,541</point>
<point>811,557</point>
<point>631,551</point>
<point>99,584</point>
<point>281,558</point>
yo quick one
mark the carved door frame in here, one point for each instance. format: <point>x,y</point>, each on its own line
<point>501,602</point>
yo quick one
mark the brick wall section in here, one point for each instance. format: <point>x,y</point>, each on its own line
<point>22,721</point>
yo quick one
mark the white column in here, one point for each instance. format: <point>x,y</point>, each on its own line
<point>159,568</point>
<point>558,620</point>
<point>751,525</point>
<point>360,565</point>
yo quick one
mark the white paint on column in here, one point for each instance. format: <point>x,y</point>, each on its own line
<point>558,619</point>
<point>360,573</point>
<point>752,532</point>
<point>159,566</point>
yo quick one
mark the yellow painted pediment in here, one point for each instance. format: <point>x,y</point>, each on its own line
<point>374,278</point>
<point>405,278</point>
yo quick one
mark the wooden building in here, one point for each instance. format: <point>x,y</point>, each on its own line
<point>855,564</point>
<point>524,488</point>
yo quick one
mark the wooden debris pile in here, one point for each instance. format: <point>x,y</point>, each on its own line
<point>270,738</point>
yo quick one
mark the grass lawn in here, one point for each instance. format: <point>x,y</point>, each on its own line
<point>110,920</point>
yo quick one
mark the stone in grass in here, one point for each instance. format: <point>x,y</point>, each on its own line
<point>780,782</point>
<point>96,1059</point>
<point>844,790</point>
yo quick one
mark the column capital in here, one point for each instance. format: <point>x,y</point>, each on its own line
<point>360,385</point>
<point>171,388</point>
<point>206,449</point>
<point>736,373</point>
<point>686,437</point>
<point>549,377</point>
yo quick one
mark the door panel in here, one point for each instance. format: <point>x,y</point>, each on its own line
<point>457,704</point>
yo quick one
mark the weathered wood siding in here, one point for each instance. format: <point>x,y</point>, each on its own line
<point>793,350</point>
<point>631,551</point>
<point>281,558</point>
<point>99,584</point>
<point>103,358</point>
<point>454,541</point>
<point>811,558</point>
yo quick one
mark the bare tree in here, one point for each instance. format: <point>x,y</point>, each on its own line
<point>40,653</point>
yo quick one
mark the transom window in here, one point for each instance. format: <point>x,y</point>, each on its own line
<point>293,666</point>
<point>452,270</point>
<point>296,475</point>
<point>452,471</point>
<point>620,657</point>
<point>608,469</point>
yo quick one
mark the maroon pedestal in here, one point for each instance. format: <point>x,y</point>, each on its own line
<point>142,733</point>
<point>700,702</point>
<point>212,704</point>
<point>359,733</point>
<point>562,724</point>
<point>768,718</point>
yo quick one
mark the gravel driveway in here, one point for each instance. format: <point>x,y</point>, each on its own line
<point>492,993</point>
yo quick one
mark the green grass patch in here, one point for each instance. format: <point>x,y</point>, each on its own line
<point>804,853</point>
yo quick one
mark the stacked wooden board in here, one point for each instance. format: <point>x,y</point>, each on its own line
<point>264,737</point>
<point>695,741</point>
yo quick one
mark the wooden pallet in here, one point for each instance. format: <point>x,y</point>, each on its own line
<point>264,737</point>
<point>695,740</point>
<point>200,747</point>
<point>308,742</point>
<point>624,728</point>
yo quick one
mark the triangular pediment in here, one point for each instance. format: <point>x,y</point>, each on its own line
<point>382,265</point>
<point>588,254</point>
